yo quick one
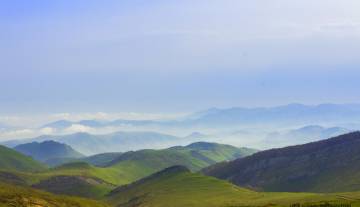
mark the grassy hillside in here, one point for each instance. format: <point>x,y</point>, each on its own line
<point>130,166</point>
<point>176,186</point>
<point>26,197</point>
<point>12,160</point>
<point>331,165</point>
<point>83,179</point>
<point>102,159</point>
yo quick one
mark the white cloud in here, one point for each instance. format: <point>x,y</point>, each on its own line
<point>47,130</point>
<point>77,128</point>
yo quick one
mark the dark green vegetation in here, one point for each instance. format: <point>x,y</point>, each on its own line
<point>331,165</point>
<point>12,160</point>
<point>75,185</point>
<point>178,187</point>
<point>18,196</point>
<point>48,151</point>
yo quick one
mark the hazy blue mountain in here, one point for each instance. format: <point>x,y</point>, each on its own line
<point>47,151</point>
<point>288,114</point>
<point>61,124</point>
<point>292,114</point>
<point>303,135</point>
<point>115,142</point>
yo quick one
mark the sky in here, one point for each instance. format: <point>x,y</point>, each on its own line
<point>159,56</point>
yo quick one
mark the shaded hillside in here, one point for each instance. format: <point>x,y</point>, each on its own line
<point>330,165</point>
<point>12,160</point>
<point>47,151</point>
<point>75,186</point>
<point>16,196</point>
<point>178,187</point>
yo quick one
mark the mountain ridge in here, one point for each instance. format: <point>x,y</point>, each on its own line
<point>313,167</point>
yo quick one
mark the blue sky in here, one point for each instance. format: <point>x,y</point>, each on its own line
<point>171,56</point>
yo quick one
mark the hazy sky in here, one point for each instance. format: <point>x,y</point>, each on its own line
<point>184,55</point>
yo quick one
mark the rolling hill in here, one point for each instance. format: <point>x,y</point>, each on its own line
<point>83,179</point>
<point>194,156</point>
<point>133,165</point>
<point>47,151</point>
<point>331,165</point>
<point>177,187</point>
<point>12,160</point>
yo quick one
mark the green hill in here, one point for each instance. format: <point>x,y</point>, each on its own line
<point>331,165</point>
<point>83,179</point>
<point>48,151</point>
<point>12,160</point>
<point>17,196</point>
<point>102,159</point>
<point>194,156</point>
<point>178,187</point>
<point>131,166</point>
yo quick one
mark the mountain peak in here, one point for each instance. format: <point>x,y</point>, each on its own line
<point>47,150</point>
<point>202,145</point>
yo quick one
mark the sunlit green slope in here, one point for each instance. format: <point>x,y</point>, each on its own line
<point>12,160</point>
<point>178,187</point>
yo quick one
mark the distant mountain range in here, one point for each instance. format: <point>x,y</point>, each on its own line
<point>115,142</point>
<point>292,114</point>
<point>48,151</point>
<point>331,165</point>
<point>303,135</point>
